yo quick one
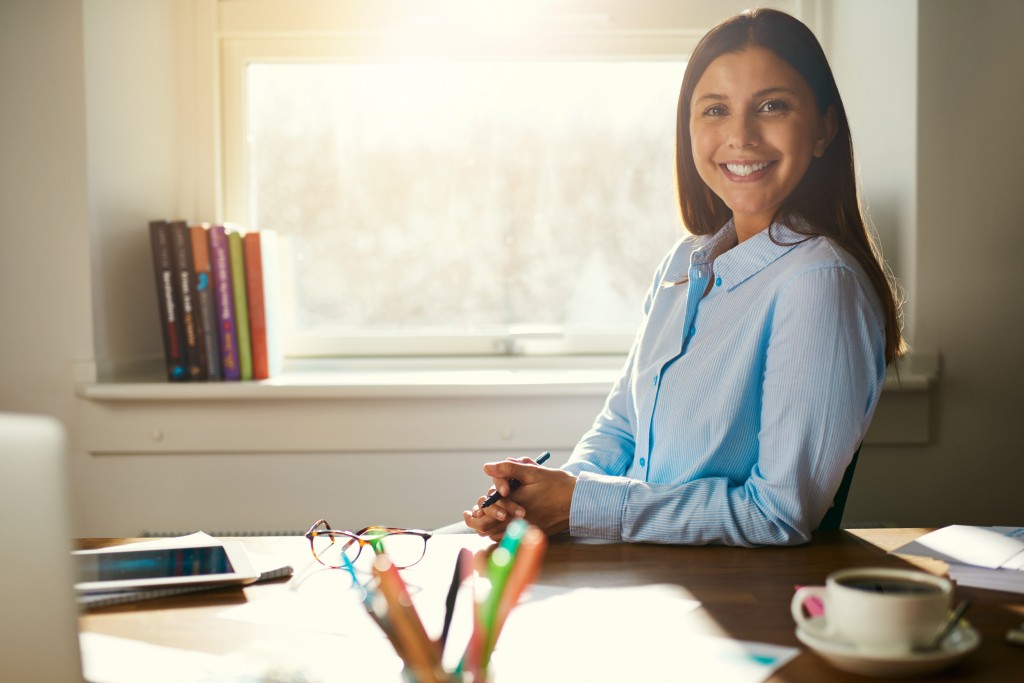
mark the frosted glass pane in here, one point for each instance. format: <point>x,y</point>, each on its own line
<point>455,196</point>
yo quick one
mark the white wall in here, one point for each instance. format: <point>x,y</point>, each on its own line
<point>969,279</point>
<point>954,174</point>
<point>131,69</point>
<point>89,151</point>
<point>872,46</point>
<point>45,307</point>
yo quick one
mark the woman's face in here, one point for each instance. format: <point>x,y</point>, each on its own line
<point>754,129</point>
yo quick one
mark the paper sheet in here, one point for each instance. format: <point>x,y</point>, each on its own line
<point>633,633</point>
<point>990,547</point>
<point>555,634</point>
<point>109,659</point>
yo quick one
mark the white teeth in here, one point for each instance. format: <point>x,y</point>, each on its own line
<point>747,169</point>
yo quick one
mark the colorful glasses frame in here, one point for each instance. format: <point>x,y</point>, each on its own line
<point>371,536</point>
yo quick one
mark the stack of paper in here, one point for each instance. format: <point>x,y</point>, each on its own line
<point>984,557</point>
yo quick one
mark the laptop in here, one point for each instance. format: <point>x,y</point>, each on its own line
<point>38,613</point>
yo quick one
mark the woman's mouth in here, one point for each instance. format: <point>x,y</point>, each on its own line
<point>746,170</point>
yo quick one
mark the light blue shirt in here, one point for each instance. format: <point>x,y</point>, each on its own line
<point>738,410</point>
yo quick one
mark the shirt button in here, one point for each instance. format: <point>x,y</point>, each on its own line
<point>718,282</point>
<point>642,462</point>
<point>654,380</point>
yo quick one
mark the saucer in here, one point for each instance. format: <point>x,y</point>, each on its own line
<point>962,641</point>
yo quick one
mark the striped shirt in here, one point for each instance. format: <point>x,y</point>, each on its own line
<point>750,384</point>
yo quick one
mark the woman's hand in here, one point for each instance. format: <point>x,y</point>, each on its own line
<point>543,498</point>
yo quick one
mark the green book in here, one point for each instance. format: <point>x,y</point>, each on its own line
<point>236,250</point>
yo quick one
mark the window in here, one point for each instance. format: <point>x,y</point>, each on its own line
<point>456,178</point>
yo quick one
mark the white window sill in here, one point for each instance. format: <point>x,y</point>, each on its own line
<point>397,378</point>
<point>423,378</point>
<point>406,405</point>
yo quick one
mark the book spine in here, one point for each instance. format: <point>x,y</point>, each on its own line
<point>204,299</point>
<point>220,263</point>
<point>257,312</point>
<point>272,300</point>
<point>241,303</point>
<point>171,327</point>
<point>181,258</point>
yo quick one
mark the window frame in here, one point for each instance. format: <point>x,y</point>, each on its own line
<point>241,32</point>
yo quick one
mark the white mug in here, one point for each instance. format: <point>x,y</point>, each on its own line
<point>877,610</point>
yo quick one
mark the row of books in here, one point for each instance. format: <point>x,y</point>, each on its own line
<point>217,291</point>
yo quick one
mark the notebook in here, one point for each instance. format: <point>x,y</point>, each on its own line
<point>39,617</point>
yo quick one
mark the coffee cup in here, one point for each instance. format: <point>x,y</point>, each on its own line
<point>877,610</point>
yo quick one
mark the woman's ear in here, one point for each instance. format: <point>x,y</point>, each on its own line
<point>827,131</point>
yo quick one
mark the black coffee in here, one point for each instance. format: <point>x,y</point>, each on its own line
<point>889,586</point>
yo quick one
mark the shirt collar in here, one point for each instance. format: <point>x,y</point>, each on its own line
<point>735,263</point>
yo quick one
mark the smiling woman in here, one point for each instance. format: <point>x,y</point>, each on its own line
<point>763,350</point>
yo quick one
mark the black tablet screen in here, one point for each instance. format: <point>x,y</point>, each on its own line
<point>152,564</point>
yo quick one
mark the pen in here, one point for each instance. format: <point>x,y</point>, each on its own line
<point>951,621</point>
<point>513,484</point>
<point>463,567</point>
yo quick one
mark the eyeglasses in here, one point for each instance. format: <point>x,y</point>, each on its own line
<point>343,549</point>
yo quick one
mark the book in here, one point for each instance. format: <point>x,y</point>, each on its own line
<point>241,303</point>
<point>185,286</point>
<point>205,305</point>
<point>171,326</point>
<point>262,289</point>
<point>1003,579</point>
<point>981,556</point>
<point>224,299</point>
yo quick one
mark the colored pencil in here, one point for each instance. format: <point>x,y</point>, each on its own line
<point>420,653</point>
<point>524,573</point>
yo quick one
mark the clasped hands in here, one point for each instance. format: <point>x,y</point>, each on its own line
<point>542,499</point>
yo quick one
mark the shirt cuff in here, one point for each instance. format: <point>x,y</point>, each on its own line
<point>597,505</point>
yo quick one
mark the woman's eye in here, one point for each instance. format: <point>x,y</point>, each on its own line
<point>715,110</point>
<point>775,106</point>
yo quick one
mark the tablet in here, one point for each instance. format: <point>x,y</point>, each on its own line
<point>125,568</point>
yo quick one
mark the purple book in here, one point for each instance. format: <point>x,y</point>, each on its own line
<point>220,264</point>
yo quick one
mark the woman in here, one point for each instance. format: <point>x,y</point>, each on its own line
<point>767,331</point>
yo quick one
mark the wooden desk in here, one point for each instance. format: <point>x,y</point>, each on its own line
<point>744,594</point>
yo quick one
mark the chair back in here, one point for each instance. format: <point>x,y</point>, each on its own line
<point>834,516</point>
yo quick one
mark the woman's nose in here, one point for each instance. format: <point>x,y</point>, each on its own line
<point>743,132</point>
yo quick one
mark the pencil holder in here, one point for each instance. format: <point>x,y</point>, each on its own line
<point>441,676</point>
<point>498,579</point>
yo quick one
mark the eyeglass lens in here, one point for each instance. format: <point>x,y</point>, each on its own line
<point>404,550</point>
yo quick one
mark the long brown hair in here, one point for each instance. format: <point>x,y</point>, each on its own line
<point>826,198</point>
